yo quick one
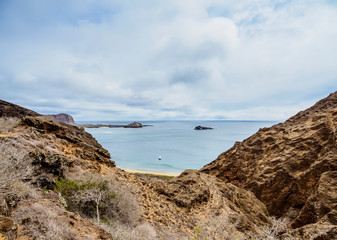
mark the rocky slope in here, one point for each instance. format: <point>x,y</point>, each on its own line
<point>36,151</point>
<point>11,110</point>
<point>291,167</point>
<point>285,170</point>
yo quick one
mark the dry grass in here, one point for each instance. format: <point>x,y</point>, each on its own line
<point>13,168</point>
<point>43,223</point>
<point>226,228</point>
<point>121,231</point>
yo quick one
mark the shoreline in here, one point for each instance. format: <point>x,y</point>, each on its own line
<point>150,172</point>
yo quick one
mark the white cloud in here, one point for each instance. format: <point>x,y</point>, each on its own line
<point>176,59</point>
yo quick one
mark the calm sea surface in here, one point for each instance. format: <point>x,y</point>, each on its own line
<point>180,146</point>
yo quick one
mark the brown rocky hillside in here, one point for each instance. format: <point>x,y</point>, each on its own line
<point>291,167</point>
<point>38,152</point>
<point>57,182</point>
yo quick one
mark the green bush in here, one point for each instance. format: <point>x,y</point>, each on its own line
<point>89,197</point>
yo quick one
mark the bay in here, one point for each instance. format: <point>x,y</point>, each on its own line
<point>179,145</point>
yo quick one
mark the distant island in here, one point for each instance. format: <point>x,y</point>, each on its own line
<point>62,117</point>
<point>131,125</point>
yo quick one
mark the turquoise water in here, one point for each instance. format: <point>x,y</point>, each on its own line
<point>180,146</point>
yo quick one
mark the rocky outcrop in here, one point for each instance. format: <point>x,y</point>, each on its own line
<point>134,125</point>
<point>321,203</point>
<point>204,196</point>
<point>74,136</point>
<point>289,165</point>
<point>62,117</point>
<point>35,151</point>
<point>202,128</point>
<point>8,229</point>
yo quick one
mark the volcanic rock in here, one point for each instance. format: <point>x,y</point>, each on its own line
<point>62,117</point>
<point>207,196</point>
<point>202,128</point>
<point>290,166</point>
<point>134,125</point>
<point>11,110</point>
<point>8,228</point>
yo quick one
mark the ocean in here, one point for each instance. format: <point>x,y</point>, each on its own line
<point>172,146</point>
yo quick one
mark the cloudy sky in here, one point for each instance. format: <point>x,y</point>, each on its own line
<point>173,59</point>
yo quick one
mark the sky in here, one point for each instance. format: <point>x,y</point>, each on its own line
<point>168,60</point>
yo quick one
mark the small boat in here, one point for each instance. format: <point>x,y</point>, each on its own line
<point>160,157</point>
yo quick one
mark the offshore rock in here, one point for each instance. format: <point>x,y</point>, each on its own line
<point>290,166</point>
<point>202,128</point>
<point>134,125</point>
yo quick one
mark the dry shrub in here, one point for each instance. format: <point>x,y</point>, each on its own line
<point>125,206</point>
<point>13,168</point>
<point>95,196</point>
<point>218,227</point>
<point>42,223</point>
<point>277,229</point>
<point>224,227</point>
<point>121,231</point>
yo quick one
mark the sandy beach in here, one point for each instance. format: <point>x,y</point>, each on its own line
<point>151,173</point>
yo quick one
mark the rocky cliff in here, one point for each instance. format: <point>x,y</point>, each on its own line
<point>62,117</point>
<point>291,167</point>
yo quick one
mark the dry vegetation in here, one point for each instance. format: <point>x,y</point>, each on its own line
<point>226,228</point>
<point>8,124</point>
<point>95,197</point>
<point>43,223</point>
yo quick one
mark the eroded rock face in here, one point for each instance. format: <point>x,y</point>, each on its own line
<point>282,165</point>
<point>321,203</point>
<point>204,196</point>
<point>86,146</point>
